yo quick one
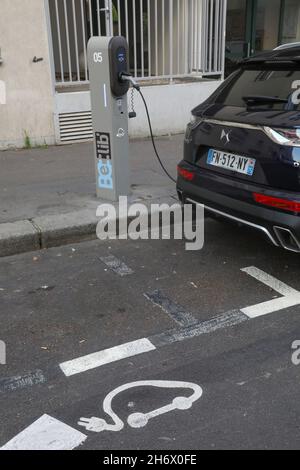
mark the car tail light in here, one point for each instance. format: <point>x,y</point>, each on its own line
<point>185,174</point>
<point>195,121</point>
<point>284,204</point>
<point>289,137</point>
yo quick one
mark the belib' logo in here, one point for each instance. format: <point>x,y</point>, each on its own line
<point>103,148</point>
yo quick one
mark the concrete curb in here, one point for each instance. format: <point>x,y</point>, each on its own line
<point>61,229</point>
<point>46,232</point>
<point>55,230</point>
<point>18,237</point>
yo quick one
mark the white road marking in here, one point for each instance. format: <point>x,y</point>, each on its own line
<point>272,306</point>
<point>139,420</point>
<point>100,358</point>
<point>46,433</point>
<point>2,353</point>
<point>270,281</point>
<point>291,297</point>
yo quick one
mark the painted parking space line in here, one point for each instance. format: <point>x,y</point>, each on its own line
<point>46,433</point>
<point>178,313</point>
<point>116,265</point>
<point>291,297</point>
<point>107,356</point>
<point>123,351</point>
<point>271,306</point>
<point>270,281</point>
<point>189,326</point>
<point>191,330</point>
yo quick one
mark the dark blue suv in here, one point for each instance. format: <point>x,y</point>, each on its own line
<point>242,148</point>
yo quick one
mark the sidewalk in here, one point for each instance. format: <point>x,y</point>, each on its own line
<point>48,195</point>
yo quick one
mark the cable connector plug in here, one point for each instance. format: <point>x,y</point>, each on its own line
<point>126,77</point>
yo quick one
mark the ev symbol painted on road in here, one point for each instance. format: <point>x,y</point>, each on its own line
<point>140,420</point>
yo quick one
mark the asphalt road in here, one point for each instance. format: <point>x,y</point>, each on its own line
<point>182,314</point>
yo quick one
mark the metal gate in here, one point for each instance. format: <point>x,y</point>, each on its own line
<point>167,38</point>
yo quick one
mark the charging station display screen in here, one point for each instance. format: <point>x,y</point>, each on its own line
<point>118,59</point>
<point>121,56</point>
<point>121,59</point>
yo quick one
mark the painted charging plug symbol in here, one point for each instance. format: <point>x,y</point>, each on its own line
<point>105,180</point>
<point>140,420</point>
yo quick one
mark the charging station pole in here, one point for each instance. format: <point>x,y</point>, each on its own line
<point>107,59</point>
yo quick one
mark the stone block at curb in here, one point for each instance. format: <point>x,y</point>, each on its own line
<point>18,237</point>
<point>63,229</point>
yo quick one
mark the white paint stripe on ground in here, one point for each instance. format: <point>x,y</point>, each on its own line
<point>291,297</point>
<point>270,281</point>
<point>272,306</point>
<point>46,433</point>
<point>100,358</point>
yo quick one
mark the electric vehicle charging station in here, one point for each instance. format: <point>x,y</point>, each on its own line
<point>108,61</point>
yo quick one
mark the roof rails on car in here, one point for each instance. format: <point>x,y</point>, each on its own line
<point>284,54</point>
<point>287,46</point>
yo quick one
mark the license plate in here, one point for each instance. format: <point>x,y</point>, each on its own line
<point>231,162</point>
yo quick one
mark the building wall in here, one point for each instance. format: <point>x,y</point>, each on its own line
<point>29,93</point>
<point>169,106</point>
<point>32,106</point>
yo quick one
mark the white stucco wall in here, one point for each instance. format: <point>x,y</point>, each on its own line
<point>29,95</point>
<point>32,106</point>
<point>169,106</point>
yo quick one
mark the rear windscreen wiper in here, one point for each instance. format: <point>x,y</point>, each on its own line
<point>253,100</point>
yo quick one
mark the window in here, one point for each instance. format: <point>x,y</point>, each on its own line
<point>267,24</point>
<point>291,22</point>
<point>263,82</point>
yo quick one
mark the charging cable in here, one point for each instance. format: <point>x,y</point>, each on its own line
<point>136,86</point>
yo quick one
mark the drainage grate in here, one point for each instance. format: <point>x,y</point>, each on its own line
<point>74,127</point>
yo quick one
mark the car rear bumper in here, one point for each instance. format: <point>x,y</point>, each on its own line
<point>233,200</point>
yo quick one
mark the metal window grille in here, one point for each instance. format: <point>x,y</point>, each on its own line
<point>168,39</point>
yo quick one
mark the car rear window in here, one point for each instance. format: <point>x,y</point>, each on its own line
<point>273,83</point>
